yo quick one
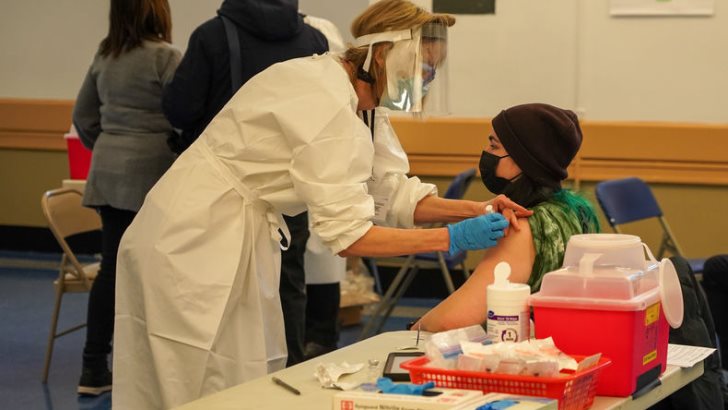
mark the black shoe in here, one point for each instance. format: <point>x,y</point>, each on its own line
<point>314,349</point>
<point>94,382</point>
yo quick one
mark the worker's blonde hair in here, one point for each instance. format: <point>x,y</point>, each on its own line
<point>389,15</point>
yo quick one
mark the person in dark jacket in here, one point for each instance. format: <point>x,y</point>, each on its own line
<point>269,32</point>
<point>715,282</point>
<point>707,392</point>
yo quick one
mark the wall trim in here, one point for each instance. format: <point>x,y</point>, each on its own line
<point>664,152</point>
<point>34,124</point>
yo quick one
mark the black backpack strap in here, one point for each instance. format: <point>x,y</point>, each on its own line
<point>236,62</point>
<point>370,124</point>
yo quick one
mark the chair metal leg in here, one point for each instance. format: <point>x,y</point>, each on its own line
<point>400,292</point>
<point>671,240</point>
<point>445,273</point>
<point>52,332</point>
<point>664,246</point>
<point>386,299</point>
<point>466,271</point>
<point>372,265</point>
<point>70,330</point>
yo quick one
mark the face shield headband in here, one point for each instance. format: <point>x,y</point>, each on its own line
<point>415,68</point>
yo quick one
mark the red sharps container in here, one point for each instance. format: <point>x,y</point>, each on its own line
<point>609,298</point>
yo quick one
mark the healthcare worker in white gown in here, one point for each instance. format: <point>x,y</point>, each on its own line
<point>197,307</point>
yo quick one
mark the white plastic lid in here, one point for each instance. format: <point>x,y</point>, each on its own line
<point>615,249</point>
<point>604,240</point>
<point>72,133</point>
<point>502,290</point>
<point>671,293</point>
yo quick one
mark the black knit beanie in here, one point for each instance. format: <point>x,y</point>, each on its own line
<point>541,139</point>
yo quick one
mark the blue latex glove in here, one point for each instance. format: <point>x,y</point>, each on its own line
<point>476,233</point>
<point>386,385</point>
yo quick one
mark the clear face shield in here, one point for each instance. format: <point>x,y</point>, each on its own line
<point>416,69</point>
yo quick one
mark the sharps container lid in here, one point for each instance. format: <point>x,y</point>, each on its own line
<point>671,293</point>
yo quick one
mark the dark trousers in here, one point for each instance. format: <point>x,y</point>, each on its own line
<point>715,283</point>
<point>292,288</point>
<point>100,315</point>
<point>322,314</point>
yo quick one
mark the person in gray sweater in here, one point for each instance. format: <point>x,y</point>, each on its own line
<point>118,115</point>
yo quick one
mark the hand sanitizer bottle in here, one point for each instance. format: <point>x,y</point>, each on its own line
<point>508,313</point>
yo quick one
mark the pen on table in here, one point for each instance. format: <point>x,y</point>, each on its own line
<point>286,386</point>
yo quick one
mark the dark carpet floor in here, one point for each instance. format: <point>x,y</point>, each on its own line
<point>26,303</point>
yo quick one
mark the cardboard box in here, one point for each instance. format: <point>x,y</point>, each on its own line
<point>350,315</point>
<point>511,402</point>
<point>361,400</point>
<point>356,293</point>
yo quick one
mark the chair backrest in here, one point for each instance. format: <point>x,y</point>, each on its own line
<point>67,216</point>
<point>630,200</point>
<point>627,200</point>
<point>460,184</point>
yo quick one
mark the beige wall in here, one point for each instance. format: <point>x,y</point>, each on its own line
<point>25,175</point>
<point>696,213</point>
<point>46,46</point>
<point>566,52</point>
<point>690,182</point>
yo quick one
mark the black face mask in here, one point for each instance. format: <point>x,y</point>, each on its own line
<point>488,165</point>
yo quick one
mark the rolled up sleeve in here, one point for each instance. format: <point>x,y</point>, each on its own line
<point>390,176</point>
<point>407,193</point>
<point>329,169</point>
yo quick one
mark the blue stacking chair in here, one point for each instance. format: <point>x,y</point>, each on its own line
<point>413,263</point>
<point>630,200</point>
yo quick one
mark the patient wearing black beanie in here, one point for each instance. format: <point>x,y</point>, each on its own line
<point>541,139</point>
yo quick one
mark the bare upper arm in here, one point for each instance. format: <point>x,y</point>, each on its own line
<point>468,305</point>
<point>517,249</point>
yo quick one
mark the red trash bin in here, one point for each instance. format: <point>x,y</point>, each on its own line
<point>79,157</point>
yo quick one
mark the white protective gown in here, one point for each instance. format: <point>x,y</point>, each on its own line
<point>320,265</point>
<point>197,304</point>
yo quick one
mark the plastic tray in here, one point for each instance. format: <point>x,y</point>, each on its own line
<point>574,391</point>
